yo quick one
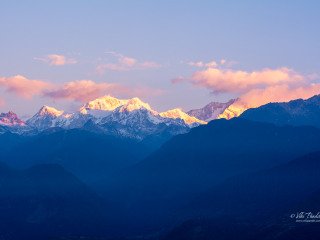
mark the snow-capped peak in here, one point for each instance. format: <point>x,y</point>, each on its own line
<point>135,104</point>
<point>10,119</point>
<point>47,117</point>
<point>109,114</point>
<point>211,111</point>
<point>46,110</point>
<point>178,113</point>
<point>234,110</point>
<point>105,103</point>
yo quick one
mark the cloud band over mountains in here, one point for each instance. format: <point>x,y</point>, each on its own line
<point>255,88</point>
<point>23,86</point>
<point>78,90</point>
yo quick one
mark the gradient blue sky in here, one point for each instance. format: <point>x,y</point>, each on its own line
<point>250,35</point>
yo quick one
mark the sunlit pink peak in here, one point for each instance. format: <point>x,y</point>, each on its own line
<point>135,104</point>
<point>178,113</point>
<point>10,119</point>
<point>105,103</point>
<point>46,110</point>
<point>234,110</point>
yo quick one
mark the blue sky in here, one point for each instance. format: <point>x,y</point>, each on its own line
<point>248,35</point>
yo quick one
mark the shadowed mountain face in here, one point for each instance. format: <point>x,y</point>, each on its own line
<point>257,205</point>
<point>191,163</point>
<point>44,201</point>
<point>297,112</point>
<point>280,189</point>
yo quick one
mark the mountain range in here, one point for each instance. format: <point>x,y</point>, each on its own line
<point>118,168</point>
<point>130,118</point>
<point>133,118</point>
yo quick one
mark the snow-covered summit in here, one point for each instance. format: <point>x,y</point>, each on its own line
<point>10,119</point>
<point>135,104</point>
<point>48,117</point>
<point>105,103</point>
<point>177,113</point>
<point>46,110</point>
<point>211,111</point>
<point>125,117</point>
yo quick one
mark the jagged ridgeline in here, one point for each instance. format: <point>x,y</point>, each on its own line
<point>130,118</point>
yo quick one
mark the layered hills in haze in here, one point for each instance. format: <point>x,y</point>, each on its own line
<point>46,200</point>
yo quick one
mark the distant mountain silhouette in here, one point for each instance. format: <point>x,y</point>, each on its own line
<point>297,112</point>
<point>46,201</point>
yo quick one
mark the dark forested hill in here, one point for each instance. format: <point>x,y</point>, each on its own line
<point>46,201</point>
<point>194,162</point>
<point>297,112</point>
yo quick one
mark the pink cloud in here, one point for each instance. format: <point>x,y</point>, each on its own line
<point>2,102</point>
<point>149,64</point>
<point>125,63</point>
<point>278,93</point>
<point>141,91</point>
<point>86,90</point>
<point>102,68</point>
<point>81,90</point>
<point>57,60</point>
<point>199,64</point>
<point>255,88</point>
<point>23,86</point>
<point>226,81</point>
<point>179,79</point>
